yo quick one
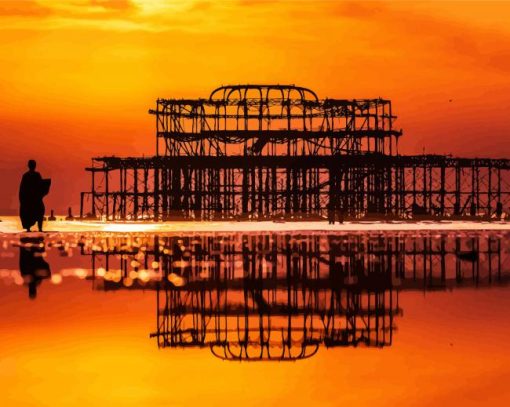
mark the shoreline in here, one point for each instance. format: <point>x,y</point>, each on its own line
<point>11,225</point>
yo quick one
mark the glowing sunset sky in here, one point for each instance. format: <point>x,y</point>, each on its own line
<point>78,76</point>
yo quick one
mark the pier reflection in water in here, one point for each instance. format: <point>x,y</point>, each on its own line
<point>265,296</point>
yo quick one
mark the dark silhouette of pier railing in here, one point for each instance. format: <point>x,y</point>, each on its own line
<point>277,151</point>
<point>283,296</point>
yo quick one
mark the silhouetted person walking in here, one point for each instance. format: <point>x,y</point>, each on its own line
<point>31,192</point>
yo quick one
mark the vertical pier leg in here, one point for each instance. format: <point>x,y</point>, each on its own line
<point>156,194</point>
<point>107,194</point>
<point>442,190</point>
<point>135,193</point>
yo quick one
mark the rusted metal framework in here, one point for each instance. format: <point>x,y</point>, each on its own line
<point>273,120</point>
<point>283,296</point>
<point>272,151</point>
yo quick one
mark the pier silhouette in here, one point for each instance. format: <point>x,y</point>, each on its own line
<point>254,152</point>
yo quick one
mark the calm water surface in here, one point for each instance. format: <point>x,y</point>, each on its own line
<point>303,318</point>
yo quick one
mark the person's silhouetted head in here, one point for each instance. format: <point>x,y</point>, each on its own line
<point>31,165</point>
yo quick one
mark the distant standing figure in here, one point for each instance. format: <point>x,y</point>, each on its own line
<point>331,213</point>
<point>31,192</point>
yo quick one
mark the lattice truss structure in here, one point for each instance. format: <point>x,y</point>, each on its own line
<point>272,151</point>
<point>284,296</point>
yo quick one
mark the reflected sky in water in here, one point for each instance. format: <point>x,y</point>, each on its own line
<point>296,317</point>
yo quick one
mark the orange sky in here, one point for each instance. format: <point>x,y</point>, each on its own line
<point>78,76</point>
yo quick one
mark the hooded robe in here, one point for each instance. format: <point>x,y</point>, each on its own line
<point>31,199</point>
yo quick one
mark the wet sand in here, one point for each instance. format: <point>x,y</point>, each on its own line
<point>11,224</point>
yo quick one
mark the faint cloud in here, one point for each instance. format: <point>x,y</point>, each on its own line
<point>256,2</point>
<point>500,60</point>
<point>114,4</point>
<point>402,26</point>
<point>26,8</point>
<point>201,5</point>
<point>354,9</point>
